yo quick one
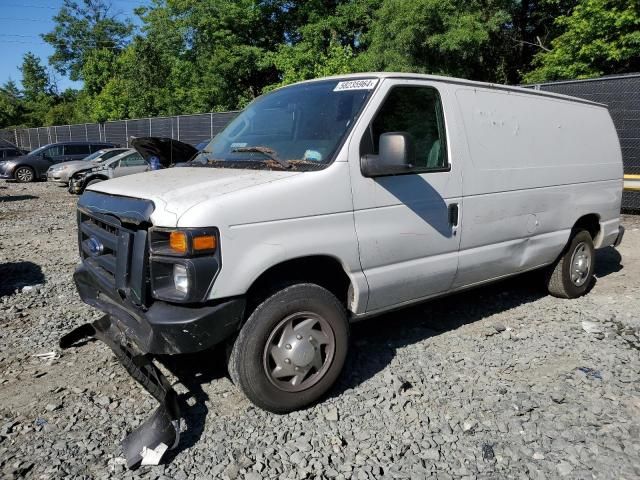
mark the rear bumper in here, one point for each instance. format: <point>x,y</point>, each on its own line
<point>163,328</point>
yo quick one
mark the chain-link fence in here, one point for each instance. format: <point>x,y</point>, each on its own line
<point>191,129</point>
<point>622,95</point>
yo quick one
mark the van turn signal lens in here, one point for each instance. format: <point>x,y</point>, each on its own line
<point>178,242</point>
<point>204,242</point>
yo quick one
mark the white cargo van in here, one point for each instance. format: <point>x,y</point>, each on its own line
<point>337,199</point>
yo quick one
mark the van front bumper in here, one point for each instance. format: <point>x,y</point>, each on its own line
<point>618,240</point>
<point>136,336</point>
<point>163,328</point>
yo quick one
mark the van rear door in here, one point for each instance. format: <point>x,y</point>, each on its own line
<point>407,224</point>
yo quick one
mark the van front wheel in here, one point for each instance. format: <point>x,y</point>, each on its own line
<point>291,349</point>
<point>572,274</point>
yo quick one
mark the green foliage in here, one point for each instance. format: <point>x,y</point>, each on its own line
<point>599,37</point>
<point>328,43</point>
<point>11,105</point>
<point>81,27</point>
<point>35,79</point>
<point>446,37</point>
<point>192,56</point>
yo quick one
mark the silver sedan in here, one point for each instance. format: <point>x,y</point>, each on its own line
<point>62,172</point>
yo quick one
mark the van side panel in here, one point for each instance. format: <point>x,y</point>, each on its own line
<point>308,214</point>
<point>536,165</point>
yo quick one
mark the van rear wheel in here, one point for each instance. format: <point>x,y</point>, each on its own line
<point>572,274</point>
<point>292,348</point>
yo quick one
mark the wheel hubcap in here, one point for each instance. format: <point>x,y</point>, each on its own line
<point>299,351</point>
<point>580,264</point>
<point>24,175</point>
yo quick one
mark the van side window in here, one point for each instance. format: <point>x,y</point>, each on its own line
<point>418,112</point>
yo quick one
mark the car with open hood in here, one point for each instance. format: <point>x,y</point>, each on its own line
<point>9,151</point>
<point>125,163</point>
<point>146,153</point>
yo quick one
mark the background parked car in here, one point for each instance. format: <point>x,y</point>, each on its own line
<point>34,165</point>
<point>62,172</point>
<point>11,152</point>
<point>126,163</point>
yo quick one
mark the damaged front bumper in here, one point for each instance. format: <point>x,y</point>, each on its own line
<point>162,430</point>
<point>135,335</point>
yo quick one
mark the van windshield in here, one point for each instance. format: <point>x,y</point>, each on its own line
<point>299,127</point>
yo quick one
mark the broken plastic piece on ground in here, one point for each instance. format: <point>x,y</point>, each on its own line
<point>46,356</point>
<point>163,427</point>
<point>153,456</point>
<point>143,445</point>
<point>591,373</point>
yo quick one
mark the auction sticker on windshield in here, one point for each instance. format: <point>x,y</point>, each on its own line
<point>367,84</point>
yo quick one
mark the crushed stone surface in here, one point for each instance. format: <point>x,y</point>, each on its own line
<point>498,382</point>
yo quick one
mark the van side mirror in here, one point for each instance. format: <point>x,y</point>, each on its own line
<point>397,155</point>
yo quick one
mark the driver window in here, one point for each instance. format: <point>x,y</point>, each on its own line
<point>417,111</point>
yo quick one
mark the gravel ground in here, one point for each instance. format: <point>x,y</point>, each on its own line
<point>500,382</point>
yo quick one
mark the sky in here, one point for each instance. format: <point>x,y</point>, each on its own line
<point>22,22</point>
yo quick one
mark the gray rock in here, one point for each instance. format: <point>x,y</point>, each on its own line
<point>332,414</point>
<point>592,327</point>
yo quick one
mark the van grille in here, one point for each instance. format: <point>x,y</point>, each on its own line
<point>115,255</point>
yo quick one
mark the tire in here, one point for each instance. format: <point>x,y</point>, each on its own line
<point>266,345</point>
<point>571,275</point>
<point>24,175</point>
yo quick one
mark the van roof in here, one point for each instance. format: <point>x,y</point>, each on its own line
<point>459,81</point>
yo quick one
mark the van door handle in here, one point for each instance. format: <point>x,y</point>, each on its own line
<point>453,214</point>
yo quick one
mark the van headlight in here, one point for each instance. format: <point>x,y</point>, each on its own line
<point>183,263</point>
<point>181,278</point>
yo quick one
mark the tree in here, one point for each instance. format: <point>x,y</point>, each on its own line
<point>599,37</point>
<point>448,37</point>
<point>35,79</point>
<point>136,86</point>
<point>327,41</point>
<point>37,92</point>
<point>11,105</point>
<point>81,27</point>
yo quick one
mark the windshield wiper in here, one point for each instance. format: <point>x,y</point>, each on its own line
<point>266,151</point>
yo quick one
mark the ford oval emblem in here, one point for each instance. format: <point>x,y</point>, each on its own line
<point>95,246</point>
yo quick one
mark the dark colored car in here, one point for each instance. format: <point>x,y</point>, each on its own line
<point>10,152</point>
<point>34,165</point>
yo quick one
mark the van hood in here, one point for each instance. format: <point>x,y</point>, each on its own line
<point>175,190</point>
